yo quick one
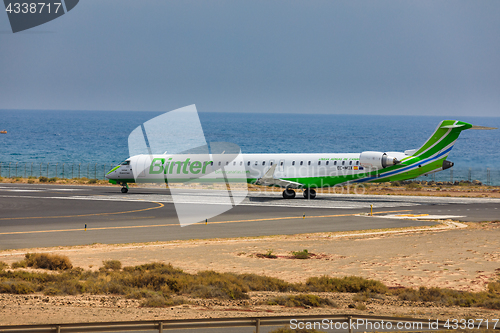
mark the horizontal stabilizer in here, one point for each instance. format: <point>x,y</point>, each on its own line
<point>483,127</point>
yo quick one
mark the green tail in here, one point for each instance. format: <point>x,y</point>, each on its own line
<point>443,138</point>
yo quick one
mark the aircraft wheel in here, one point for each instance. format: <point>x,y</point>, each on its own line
<point>288,194</point>
<point>309,193</point>
<point>124,190</point>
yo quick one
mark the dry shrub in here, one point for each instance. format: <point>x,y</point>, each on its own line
<point>115,265</point>
<point>304,300</point>
<point>19,264</point>
<point>158,301</point>
<point>15,287</point>
<point>349,284</point>
<point>48,261</point>
<point>449,297</point>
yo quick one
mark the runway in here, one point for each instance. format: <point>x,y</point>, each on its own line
<point>56,215</point>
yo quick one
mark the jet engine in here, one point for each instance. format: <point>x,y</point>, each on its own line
<point>376,160</point>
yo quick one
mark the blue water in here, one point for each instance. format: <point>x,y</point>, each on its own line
<point>98,140</point>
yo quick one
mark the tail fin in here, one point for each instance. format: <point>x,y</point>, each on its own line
<point>442,140</point>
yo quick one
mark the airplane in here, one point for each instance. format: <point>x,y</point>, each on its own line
<point>305,172</point>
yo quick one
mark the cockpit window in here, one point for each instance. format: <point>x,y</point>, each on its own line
<point>126,163</point>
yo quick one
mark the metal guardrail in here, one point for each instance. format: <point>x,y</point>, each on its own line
<point>257,322</point>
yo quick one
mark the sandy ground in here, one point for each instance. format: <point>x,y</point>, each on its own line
<point>459,258</point>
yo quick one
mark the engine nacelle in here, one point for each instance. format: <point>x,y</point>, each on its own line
<point>376,160</point>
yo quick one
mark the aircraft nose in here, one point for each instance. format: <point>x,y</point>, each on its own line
<point>111,174</point>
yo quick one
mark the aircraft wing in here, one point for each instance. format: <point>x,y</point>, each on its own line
<point>269,180</point>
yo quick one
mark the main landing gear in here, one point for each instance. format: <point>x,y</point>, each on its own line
<point>124,187</point>
<point>290,194</point>
<point>309,193</point>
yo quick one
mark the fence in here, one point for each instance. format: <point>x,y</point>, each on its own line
<point>59,170</point>
<point>347,323</point>
<point>487,176</point>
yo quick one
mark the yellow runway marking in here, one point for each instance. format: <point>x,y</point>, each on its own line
<point>176,224</point>
<point>82,215</point>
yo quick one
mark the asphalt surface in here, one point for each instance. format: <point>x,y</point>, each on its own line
<point>56,215</point>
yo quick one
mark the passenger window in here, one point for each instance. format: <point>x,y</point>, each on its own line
<point>343,162</point>
<point>357,162</point>
<point>241,163</point>
<point>301,162</point>
<point>293,162</point>
<point>271,163</point>
<point>256,163</point>
<point>263,162</point>
<point>211,163</point>
<point>334,162</point>
<point>227,163</point>
<point>219,163</point>
<point>319,162</point>
<point>248,163</point>
<point>309,163</point>
<point>281,164</point>
<point>350,162</point>
<point>327,162</point>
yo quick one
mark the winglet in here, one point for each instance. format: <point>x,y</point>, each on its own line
<point>270,173</point>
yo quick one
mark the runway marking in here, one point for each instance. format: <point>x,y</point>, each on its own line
<point>82,215</point>
<point>176,224</point>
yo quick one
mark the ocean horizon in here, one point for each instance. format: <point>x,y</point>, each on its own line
<point>100,138</point>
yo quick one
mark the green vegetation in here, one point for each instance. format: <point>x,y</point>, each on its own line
<point>304,254</point>
<point>269,254</point>
<point>3,265</point>
<point>43,179</point>
<point>93,181</point>
<point>305,300</point>
<point>53,179</point>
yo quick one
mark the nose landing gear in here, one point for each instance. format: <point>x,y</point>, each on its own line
<point>124,187</point>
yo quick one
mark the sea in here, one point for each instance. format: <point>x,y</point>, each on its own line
<point>89,143</point>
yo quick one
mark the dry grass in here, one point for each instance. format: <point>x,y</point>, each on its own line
<point>158,283</point>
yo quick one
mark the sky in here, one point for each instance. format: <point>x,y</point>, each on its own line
<point>335,57</point>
